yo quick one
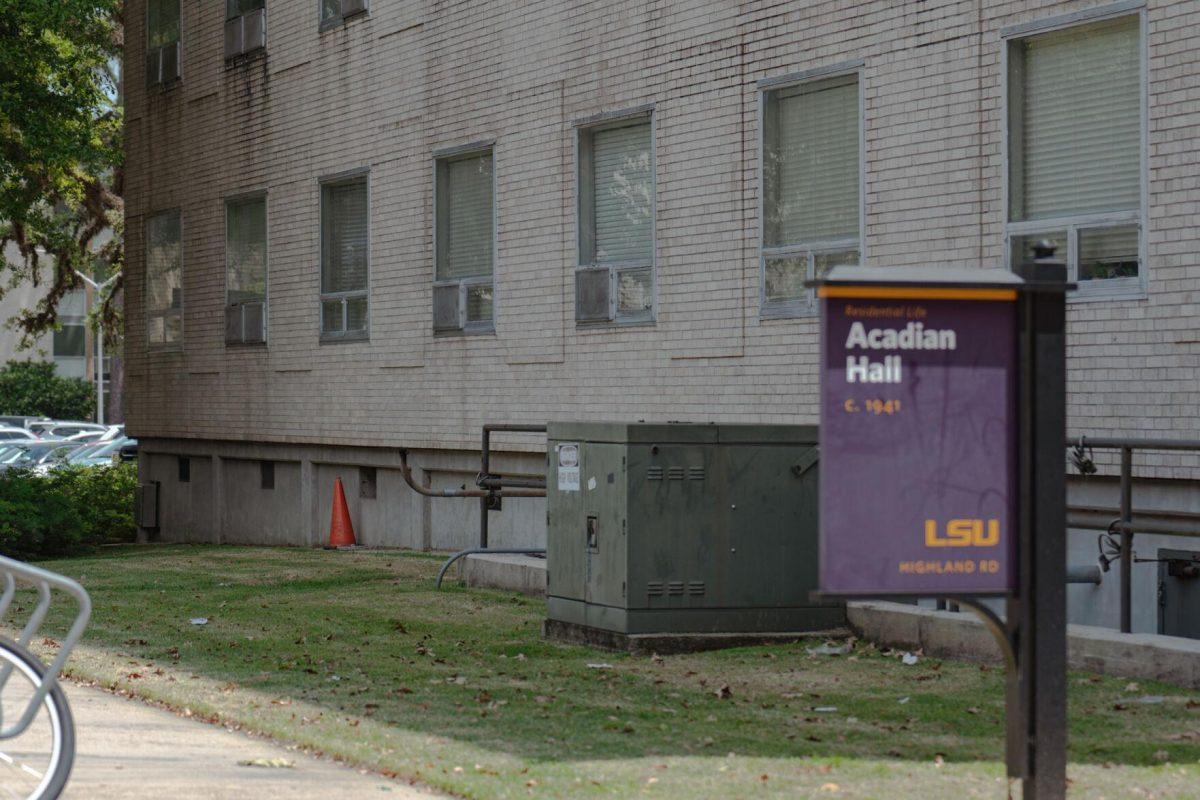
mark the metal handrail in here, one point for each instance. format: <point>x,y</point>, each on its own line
<point>44,581</point>
<point>1124,524</point>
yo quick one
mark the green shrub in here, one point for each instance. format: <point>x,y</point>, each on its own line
<point>67,511</point>
<point>31,388</point>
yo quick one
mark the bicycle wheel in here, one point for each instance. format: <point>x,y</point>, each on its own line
<point>34,765</point>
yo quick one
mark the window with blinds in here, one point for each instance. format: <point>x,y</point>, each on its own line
<point>164,280</point>
<point>811,187</point>
<point>463,296</point>
<point>344,259</point>
<point>616,222</point>
<point>1075,149</point>
<point>246,271</point>
<point>162,41</point>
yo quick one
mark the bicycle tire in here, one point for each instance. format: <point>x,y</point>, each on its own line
<point>62,724</point>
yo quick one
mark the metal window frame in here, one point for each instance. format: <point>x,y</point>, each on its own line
<point>245,197</point>
<point>1105,289</point>
<point>585,224</point>
<point>808,307</point>
<point>167,312</point>
<point>445,156</point>
<point>161,83</point>
<point>783,309</point>
<point>342,178</point>
<point>341,19</point>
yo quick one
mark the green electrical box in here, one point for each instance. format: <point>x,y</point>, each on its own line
<point>683,529</point>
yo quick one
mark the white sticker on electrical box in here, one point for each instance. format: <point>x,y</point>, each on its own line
<point>568,468</point>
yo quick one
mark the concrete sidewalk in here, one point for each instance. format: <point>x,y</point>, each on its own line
<point>131,751</point>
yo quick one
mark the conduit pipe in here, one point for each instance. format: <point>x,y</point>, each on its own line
<point>406,471</point>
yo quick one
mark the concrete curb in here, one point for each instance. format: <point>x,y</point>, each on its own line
<point>962,635</point>
<point>516,573</point>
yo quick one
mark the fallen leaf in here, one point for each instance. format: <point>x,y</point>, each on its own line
<point>724,693</point>
<point>273,763</point>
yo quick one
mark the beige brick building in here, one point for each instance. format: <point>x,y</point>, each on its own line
<point>425,198</point>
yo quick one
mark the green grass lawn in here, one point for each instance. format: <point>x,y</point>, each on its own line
<point>356,655</point>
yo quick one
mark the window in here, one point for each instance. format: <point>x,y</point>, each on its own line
<point>1075,151</point>
<point>462,293</point>
<point>334,12</point>
<point>71,340</point>
<point>245,27</point>
<point>184,465</point>
<point>811,181</point>
<point>344,259</point>
<point>615,278</point>
<point>246,271</point>
<point>266,474</point>
<point>162,41</point>
<point>164,280</point>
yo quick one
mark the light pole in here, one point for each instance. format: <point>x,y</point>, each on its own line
<point>97,288</point>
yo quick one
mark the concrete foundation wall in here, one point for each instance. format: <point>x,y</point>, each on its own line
<point>228,476</point>
<point>251,514</point>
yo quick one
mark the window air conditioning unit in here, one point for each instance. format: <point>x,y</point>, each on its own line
<point>447,307</point>
<point>245,323</point>
<point>593,293</point>
<point>162,64</point>
<point>254,30</point>
<point>352,7</point>
<point>245,33</point>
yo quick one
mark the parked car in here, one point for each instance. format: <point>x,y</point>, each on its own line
<point>18,421</point>
<point>61,429</point>
<point>28,455</point>
<point>100,454</point>
<point>9,433</point>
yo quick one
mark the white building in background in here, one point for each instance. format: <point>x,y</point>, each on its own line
<point>72,348</point>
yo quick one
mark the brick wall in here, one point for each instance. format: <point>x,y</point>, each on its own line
<point>386,90</point>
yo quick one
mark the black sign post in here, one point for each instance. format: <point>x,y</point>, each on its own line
<point>942,422</point>
<point>1037,615</point>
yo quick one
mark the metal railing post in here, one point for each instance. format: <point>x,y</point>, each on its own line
<point>1126,540</point>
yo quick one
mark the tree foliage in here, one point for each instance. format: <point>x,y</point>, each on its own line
<point>31,388</point>
<point>61,170</point>
<point>66,511</point>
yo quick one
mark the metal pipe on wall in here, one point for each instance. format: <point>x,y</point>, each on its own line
<point>406,472</point>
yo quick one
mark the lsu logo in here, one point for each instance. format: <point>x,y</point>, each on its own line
<point>963,533</point>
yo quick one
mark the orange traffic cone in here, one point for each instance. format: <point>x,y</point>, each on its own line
<point>341,529</point>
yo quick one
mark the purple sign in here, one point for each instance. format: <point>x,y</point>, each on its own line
<point>917,441</point>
